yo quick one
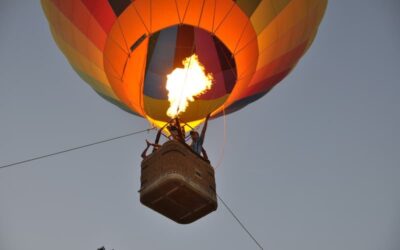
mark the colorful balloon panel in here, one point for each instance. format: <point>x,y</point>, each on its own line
<point>124,49</point>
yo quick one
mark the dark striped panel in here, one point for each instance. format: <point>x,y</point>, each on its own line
<point>119,6</point>
<point>160,62</point>
<point>185,44</point>
<point>228,64</point>
<point>151,47</point>
<point>248,6</point>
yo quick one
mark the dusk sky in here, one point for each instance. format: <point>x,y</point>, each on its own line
<point>314,165</point>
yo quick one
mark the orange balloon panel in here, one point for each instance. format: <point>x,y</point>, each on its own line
<point>126,48</point>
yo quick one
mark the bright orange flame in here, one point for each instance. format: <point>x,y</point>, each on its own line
<point>183,84</point>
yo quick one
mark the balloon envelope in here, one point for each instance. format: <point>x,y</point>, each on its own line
<point>125,49</point>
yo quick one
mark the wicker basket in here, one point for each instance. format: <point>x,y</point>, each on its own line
<point>178,183</point>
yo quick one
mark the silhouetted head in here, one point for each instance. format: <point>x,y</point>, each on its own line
<point>195,135</point>
<point>173,122</point>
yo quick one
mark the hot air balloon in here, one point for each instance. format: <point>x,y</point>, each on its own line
<point>128,50</point>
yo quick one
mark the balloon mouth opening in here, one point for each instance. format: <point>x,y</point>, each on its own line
<point>167,51</point>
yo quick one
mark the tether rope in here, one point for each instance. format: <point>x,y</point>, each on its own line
<point>75,148</point>
<point>240,223</point>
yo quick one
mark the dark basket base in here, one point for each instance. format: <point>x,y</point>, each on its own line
<point>178,184</point>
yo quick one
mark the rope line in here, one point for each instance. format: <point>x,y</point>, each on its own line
<point>75,148</point>
<point>240,223</point>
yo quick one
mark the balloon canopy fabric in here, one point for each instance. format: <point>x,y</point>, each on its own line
<point>124,49</point>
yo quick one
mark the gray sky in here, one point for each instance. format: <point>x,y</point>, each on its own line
<point>313,165</point>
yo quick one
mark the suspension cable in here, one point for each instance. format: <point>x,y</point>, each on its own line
<point>75,148</point>
<point>240,223</point>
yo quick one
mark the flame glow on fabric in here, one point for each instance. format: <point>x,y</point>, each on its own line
<point>125,49</point>
<point>185,83</point>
